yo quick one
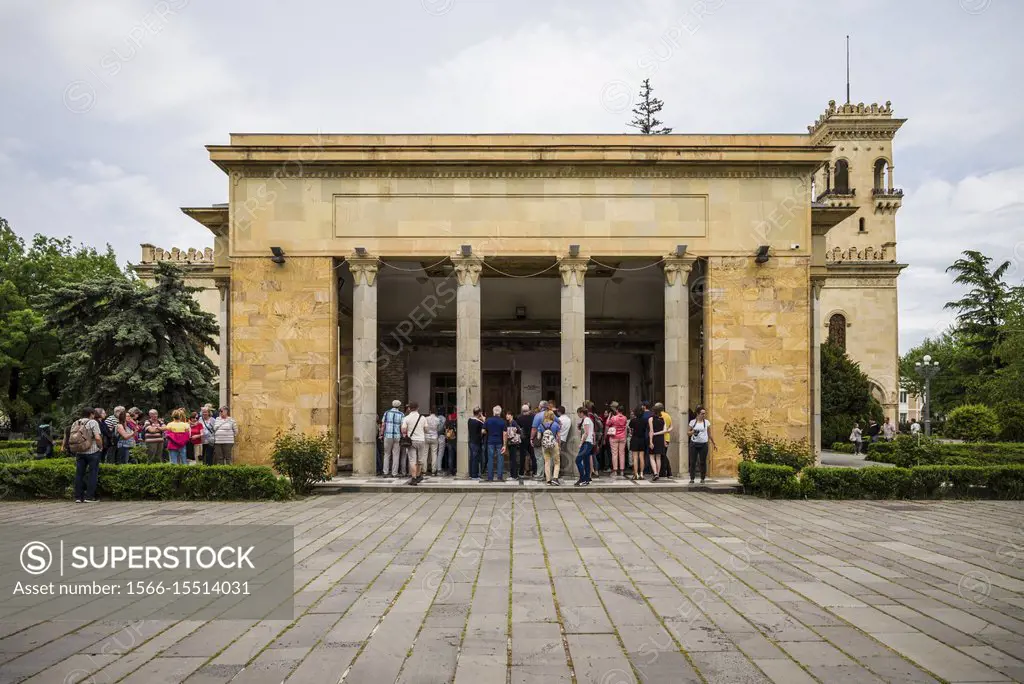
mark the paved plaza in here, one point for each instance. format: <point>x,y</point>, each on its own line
<point>577,586</point>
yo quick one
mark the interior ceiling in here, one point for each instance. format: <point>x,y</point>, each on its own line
<point>540,267</point>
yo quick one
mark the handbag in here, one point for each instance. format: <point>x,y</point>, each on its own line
<point>406,440</point>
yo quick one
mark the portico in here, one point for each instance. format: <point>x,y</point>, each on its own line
<point>511,268</point>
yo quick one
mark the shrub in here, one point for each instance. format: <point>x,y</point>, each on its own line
<point>1011,421</point>
<point>1007,482</point>
<point>843,447</point>
<point>757,446</point>
<point>927,482</point>
<point>879,448</point>
<point>53,479</point>
<point>770,481</point>
<point>831,483</point>
<point>972,423</point>
<point>908,451</point>
<point>878,482</point>
<point>304,459</point>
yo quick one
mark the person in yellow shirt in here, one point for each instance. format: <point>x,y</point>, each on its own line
<point>666,467</point>
<point>177,432</point>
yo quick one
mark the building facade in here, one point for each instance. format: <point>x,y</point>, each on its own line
<point>480,270</point>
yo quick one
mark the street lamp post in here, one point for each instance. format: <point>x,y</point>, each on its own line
<point>927,369</point>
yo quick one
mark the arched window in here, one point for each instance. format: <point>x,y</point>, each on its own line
<point>842,176</point>
<point>880,174</point>
<point>837,330</point>
<point>862,225</point>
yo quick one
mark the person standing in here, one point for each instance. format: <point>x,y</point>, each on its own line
<point>857,437</point>
<point>616,431</point>
<point>44,439</point>
<point>915,428</point>
<point>85,440</point>
<point>700,435</point>
<point>564,423</point>
<point>514,447</point>
<point>451,442</point>
<point>195,439</point>
<point>548,431</point>
<point>475,428</point>
<point>666,465</point>
<point>153,436</point>
<point>415,442</point>
<point>206,419</point>
<point>535,435</point>
<point>638,442</point>
<point>110,423</point>
<point>391,433</point>
<point>494,428</point>
<point>178,434</point>
<point>125,436</point>
<point>656,440</point>
<point>888,430</point>
<point>442,441</point>
<point>587,438</point>
<point>225,431</point>
<point>525,422</point>
<point>430,464</point>
<point>873,431</point>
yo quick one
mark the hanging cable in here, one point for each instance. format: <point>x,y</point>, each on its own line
<point>509,275</point>
<point>414,270</point>
<point>620,268</point>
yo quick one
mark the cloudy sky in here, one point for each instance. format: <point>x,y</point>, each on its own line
<point>107,104</point>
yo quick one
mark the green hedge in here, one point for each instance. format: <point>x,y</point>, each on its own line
<point>53,479</point>
<point>843,447</point>
<point>908,451</point>
<point>919,482</point>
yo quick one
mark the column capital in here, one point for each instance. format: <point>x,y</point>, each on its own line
<point>363,268</point>
<point>817,284</point>
<point>568,266</point>
<point>468,268</point>
<point>677,266</point>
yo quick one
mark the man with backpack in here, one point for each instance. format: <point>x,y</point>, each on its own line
<point>85,440</point>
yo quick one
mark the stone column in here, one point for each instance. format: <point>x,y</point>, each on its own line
<point>677,356</point>
<point>816,322</point>
<point>363,384</point>
<point>224,355</point>
<point>574,367</point>
<point>890,177</point>
<point>467,351</point>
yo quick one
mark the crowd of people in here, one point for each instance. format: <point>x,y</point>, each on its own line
<point>94,437</point>
<point>886,432</point>
<point>534,442</point>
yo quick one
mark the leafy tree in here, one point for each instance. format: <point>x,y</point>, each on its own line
<point>972,423</point>
<point>644,118</point>
<point>845,395</point>
<point>131,344</point>
<point>27,345</point>
<point>982,311</point>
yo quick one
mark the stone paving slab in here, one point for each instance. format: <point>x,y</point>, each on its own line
<point>487,585</point>
<point>356,484</point>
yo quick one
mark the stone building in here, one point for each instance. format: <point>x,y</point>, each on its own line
<point>481,270</point>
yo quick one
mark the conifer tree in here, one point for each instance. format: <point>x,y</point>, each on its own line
<point>647,107</point>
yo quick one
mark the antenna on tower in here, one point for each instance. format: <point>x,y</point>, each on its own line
<point>847,69</point>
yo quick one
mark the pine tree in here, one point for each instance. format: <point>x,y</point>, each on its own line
<point>845,395</point>
<point>644,118</point>
<point>129,344</point>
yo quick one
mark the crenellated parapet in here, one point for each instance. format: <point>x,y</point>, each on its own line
<point>153,255</point>
<point>872,121</point>
<point>886,254</point>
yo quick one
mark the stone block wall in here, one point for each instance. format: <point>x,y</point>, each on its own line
<point>284,350</point>
<point>393,376</point>
<point>758,349</point>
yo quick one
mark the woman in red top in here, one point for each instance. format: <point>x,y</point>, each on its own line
<point>195,437</point>
<point>615,429</point>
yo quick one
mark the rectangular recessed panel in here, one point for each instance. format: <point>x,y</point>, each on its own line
<point>565,215</point>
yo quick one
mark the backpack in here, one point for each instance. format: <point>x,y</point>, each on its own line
<point>80,440</point>
<point>515,435</point>
<point>449,431</point>
<point>548,440</point>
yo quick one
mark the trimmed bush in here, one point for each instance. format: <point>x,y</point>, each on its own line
<point>1011,421</point>
<point>1006,482</point>
<point>53,479</point>
<point>878,482</point>
<point>880,448</point>
<point>843,447</point>
<point>908,451</point>
<point>972,423</point>
<point>831,483</point>
<point>304,459</point>
<point>769,481</point>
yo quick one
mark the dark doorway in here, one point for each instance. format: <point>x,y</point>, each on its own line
<point>607,387</point>
<point>551,386</point>
<point>500,388</point>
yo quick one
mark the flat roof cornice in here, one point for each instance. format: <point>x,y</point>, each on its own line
<point>319,149</point>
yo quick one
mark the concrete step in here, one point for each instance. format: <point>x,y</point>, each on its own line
<point>347,484</point>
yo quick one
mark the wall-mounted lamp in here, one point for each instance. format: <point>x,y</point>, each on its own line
<point>762,254</point>
<point>467,250</point>
<point>520,313</point>
<point>574,250</point>
<point>278,257</point>
<point>680,251</point>
<point>360,251</point>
